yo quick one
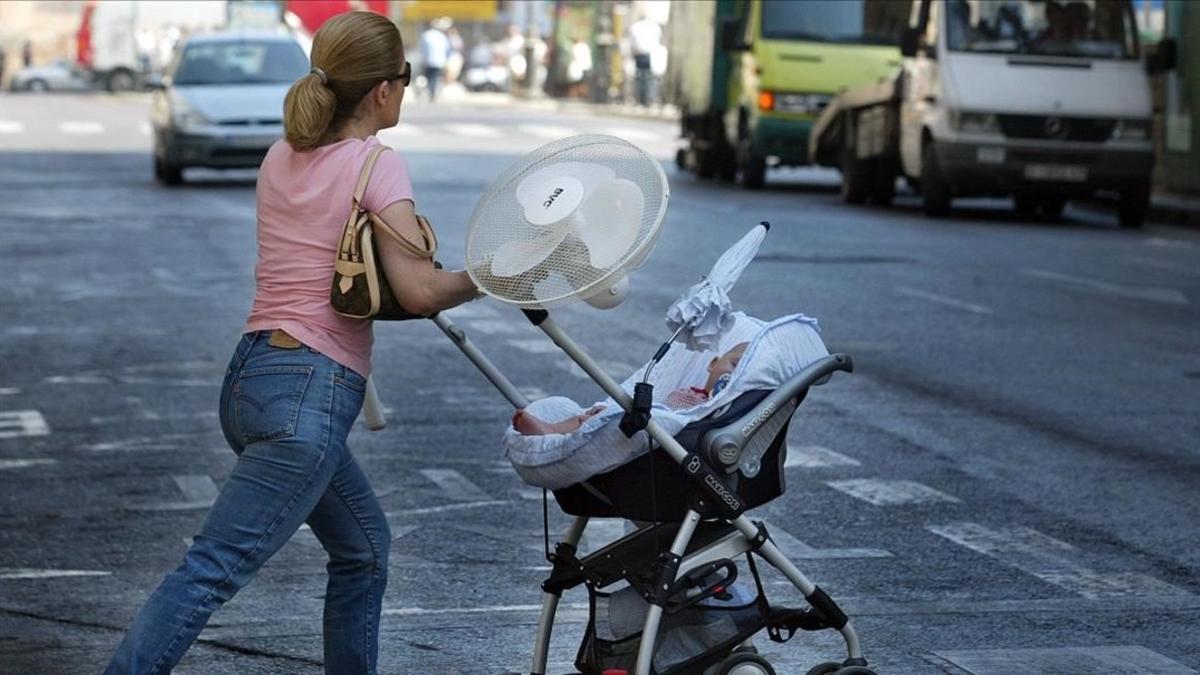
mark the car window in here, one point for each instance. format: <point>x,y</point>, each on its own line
<point>244,62</point>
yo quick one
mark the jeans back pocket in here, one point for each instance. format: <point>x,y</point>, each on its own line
<point>266,401</point>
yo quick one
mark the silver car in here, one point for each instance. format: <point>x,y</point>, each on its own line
<point>220,103</point>
<point>61,75</point>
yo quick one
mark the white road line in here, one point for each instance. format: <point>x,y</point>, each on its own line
<point>9,391</point>
<point>1168,296</point>
<point>1051,561</point>
<point>943,300</point>
<point>890,492</point>
<point>1110,660</point>
<point>25,463</point>
<point>1163,242</point>
<point>473,130</point>
<point>815,456</point>
<point>492,326</point>
<point>421,611</point>
<point>443,509</point>
<point>11,127</point>
<point>473,310</point>
<point>532,393</point>
<point>1164,265</point>
<point>403,531</point>
<point>27,573</point>
<point>795,549</point>
<point>76,127</point>
<point>535,346</point>
<point>403,129</point>
<point>18,423</point>
<point>455,485</point>
<point>546,131</point>
<point>196,488</point>
<point>631,134</point>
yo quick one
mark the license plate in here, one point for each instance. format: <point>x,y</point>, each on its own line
<point>1066,173</point>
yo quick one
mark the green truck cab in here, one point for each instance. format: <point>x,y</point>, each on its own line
<point>751,76</point>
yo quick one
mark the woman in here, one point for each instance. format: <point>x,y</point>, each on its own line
<point>295,384</point>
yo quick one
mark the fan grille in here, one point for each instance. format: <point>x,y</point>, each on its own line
<point>567,274</point>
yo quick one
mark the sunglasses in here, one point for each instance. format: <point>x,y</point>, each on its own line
<point>405,75</point>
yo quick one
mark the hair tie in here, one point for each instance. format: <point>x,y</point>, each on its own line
<point>321,74</point>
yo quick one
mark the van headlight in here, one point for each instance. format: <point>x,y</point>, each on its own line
<point>974,122</point>
<point>1131,130</point>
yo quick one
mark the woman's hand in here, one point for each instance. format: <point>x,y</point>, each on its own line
<point>417,285</point>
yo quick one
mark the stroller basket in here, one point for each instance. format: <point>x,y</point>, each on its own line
<point>624,491</point>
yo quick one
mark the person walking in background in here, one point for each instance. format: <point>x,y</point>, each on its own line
<point>454,64</point>
<point>645,39</point>
<point>435,52</point>
<point>297,378</point>
<point>27,54</point>
<point>579,67</point>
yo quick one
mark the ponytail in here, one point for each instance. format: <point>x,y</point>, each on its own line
<point>351,54</point>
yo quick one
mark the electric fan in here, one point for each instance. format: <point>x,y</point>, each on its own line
<point>567,222</point>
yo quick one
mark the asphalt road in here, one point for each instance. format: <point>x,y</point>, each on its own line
<point>1007,483</point>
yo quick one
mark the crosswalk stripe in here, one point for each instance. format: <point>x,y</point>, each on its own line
<point>1052,561</point>
<point>27,573</point>
<point>890,492</point>
<point>546,131</point>
<point>1168,296</point>
<point>402,129</point>
<point>25,463</point>
<point>491,326</point>
<point>542,346</point>
<point>9,391</point>
<point>795,549</point>
<point>11,127</point>
<point>17,423</point>
<point>473,130</point>
<point>456,486</point>
<point>632,134</point>
<point>815,456</point>
<point>1111,660</point>
<point>196,488</point>
<point>472,311</point>
<point>943,300</point>
<point>81,127</point>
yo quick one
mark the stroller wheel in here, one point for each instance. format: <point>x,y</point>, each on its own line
<point>744,663</point>
<point>827,668</point>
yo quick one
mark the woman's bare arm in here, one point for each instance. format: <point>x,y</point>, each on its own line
<point>418,287</point>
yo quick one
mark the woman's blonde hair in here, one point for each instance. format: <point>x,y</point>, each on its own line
<point>351,53</point>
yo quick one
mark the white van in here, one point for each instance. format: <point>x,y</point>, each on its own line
<point>1042,100</point>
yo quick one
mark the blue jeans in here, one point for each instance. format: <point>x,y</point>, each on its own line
<point>286,413</point>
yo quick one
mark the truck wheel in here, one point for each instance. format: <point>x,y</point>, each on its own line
<point>120,80</point>
<point>856,177</point>
<point>706,165</point>
<point>754,171</point>
<point>1132,207</point>
<point>935,191</point>
<point>1025,206</point>
<point>1052,207</point>
<point>726,164</point>
<point>883,184</point>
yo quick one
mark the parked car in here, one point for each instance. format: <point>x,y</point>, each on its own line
<point>62,75</point>
<point>220,103</point>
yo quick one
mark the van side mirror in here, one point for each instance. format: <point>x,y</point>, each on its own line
<point>1164,57</point>
<point>732,39</point>
<point>908,42</point>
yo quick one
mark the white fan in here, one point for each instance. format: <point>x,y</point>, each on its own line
<point>567,222</point>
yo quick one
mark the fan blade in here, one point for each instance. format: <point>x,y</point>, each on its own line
<point>530,190</point>
<point>518,257</point>
<point>611,217</point>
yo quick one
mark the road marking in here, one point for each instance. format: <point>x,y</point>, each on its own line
<point>1169,296</point>
<point>473,310</point>
<point>1163,242</point>
<point>543,346</point>
<point>81,128</point>
<point>532,393</point>
<point>795,549</point>
<point>25,463</point>
<point>403,531</point>
<point>548,131</point>
<point>890,492</point>
<point>491,326</point>
<point>9,391</point>
<point>815,456</point>
<point>443,509</point>
<point>1164,265</point>
<point>943,300</point>
<point>398,131</point>
<point>26,573</point>
<point>196,488</point>
<point>421,611</point>
<point>631,134</point>
<point>1110,660</point>
<point>18,423</point>
<point>455,485</point>
<point>11,127</point>
<point>1050,560</point>
<point>473,130</point>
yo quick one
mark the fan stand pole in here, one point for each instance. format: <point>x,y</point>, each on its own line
<point>483,363</point>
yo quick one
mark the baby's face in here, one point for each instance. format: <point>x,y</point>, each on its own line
<point>723,364</point>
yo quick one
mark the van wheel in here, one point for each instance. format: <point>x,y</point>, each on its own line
<point>1025,206</point>
<point>1132,207</point>
<point>1052,207</point>
<point>167,174</point>
<point>754,171</point>
<point>856,177</point>
<point>883,184</point>
<point>935,191</point>
<point>121,80</point>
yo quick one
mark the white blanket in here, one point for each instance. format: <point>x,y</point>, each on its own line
<point>777,351</point>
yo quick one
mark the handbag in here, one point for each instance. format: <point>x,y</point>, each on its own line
<point>360,290</point>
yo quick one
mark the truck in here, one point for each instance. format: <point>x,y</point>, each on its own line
<point>750,76</point>
<point>1038,100</point>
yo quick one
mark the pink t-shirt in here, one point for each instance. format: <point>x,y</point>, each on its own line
<point>304,199</point>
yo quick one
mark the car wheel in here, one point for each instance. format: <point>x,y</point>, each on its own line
<point>1132,207</point>
<point>38,86</point>
<point>1052,207</point>
<point>167,174</point>
<point>935,191</point>
<point>1025,206</point>
<point>120,80</point>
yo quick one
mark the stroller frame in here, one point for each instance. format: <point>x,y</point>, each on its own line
<point>720,454</point>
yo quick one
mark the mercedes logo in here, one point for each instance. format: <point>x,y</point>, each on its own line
<point>1055,127</point>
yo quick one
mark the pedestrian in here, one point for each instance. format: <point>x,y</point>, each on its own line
<point>296,382</point>
<point>645,39</point>
<point>579,67</point>
<point>27,54</point>
<point>454,64</point>
<point>435,52</point>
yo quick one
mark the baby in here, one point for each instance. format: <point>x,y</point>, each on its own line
<point>720,369</point>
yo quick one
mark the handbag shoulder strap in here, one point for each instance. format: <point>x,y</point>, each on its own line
<point>365,176</point>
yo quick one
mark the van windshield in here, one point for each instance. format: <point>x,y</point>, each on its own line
<point>1099,29</point>
<point>875,22</point>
